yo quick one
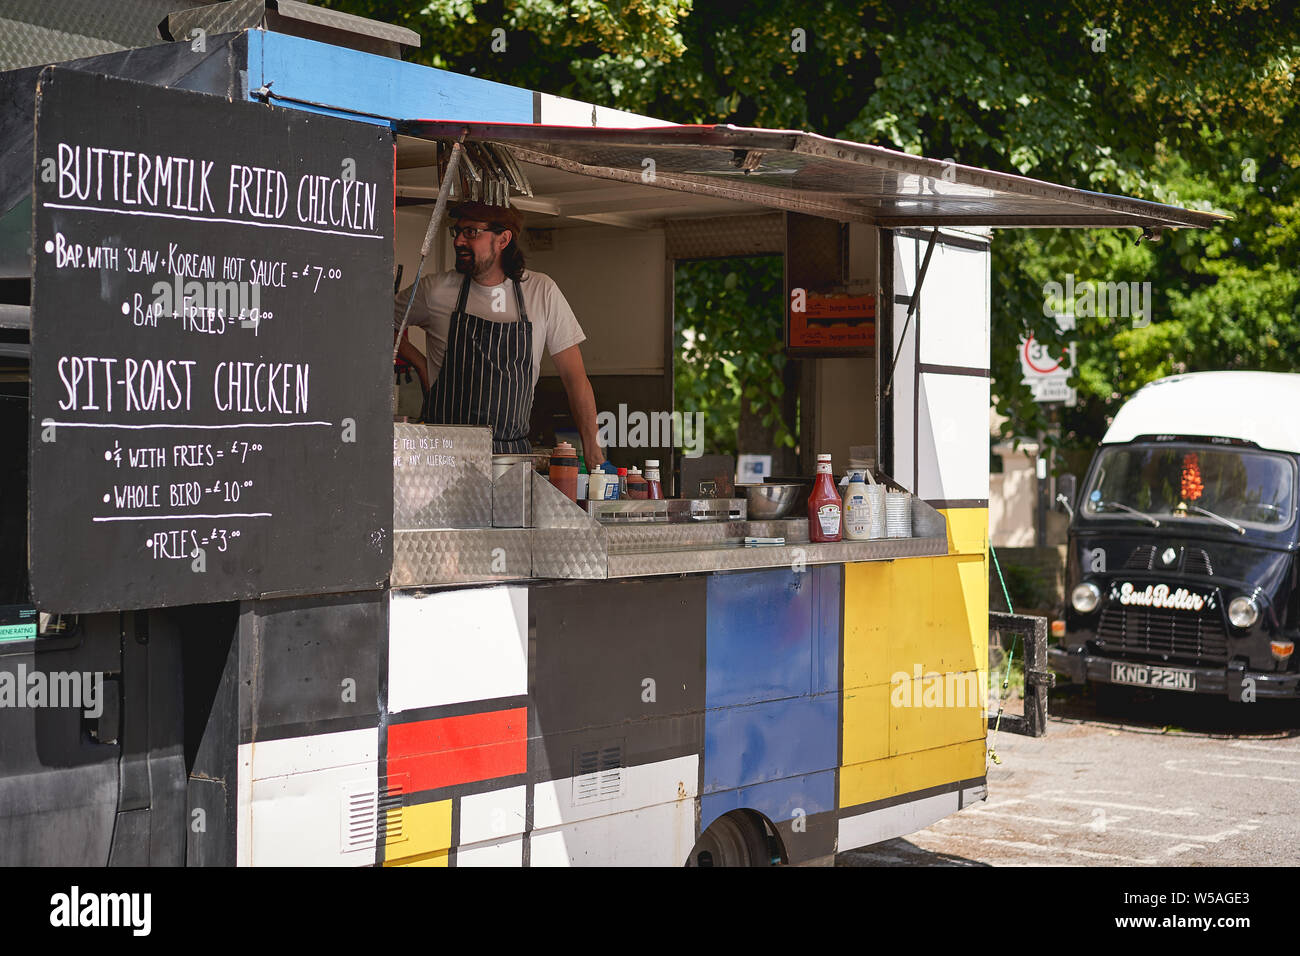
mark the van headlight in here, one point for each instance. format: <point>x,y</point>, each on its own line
<point>1084,597</point>
<point>1243,611</point>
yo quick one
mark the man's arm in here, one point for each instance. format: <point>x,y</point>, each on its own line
<point>413,355</point>
<point>582,402</point>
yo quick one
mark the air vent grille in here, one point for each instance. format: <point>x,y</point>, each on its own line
<point>370,812</point>
<point>1197,561</point>
<point>1140,559</point>
<point>598,774</point>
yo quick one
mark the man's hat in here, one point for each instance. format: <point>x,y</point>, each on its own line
<point>503,217</point>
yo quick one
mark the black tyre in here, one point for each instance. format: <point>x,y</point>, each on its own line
<point>735,839</point>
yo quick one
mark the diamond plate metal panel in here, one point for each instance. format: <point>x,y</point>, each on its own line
<point>551,509</point>
<point>425,558</point>
<point>512,498</point>
<point>442,477</point>
<point>570,553</point>
<point>737,557</point>
<point>926,521</point>
<point>724,236</point>
<point>666,537</point>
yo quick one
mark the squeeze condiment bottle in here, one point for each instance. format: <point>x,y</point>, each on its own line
<point>637,489</point>
<point>857,510</point>
<point>622,482</point>
<point>564,470</point>
<point>611,489</point>
<point>583,479</point>
<point>654,489</point>
<point>824,506</point>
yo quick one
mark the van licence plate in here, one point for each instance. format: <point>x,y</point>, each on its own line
<point>1144,675</point>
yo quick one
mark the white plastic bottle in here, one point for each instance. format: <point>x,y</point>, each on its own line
<point>857,509</point>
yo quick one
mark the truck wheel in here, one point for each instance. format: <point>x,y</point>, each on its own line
<point>734,839</point>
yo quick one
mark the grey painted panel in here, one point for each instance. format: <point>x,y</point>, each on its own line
<point>622,634</point>
<point>296,655</point>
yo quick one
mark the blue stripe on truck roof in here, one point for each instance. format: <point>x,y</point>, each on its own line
<point>353,84</point>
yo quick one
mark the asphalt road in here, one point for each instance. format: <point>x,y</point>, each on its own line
<point>1139,778</point>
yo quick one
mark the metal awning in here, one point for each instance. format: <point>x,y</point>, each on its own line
<point>804,172</point>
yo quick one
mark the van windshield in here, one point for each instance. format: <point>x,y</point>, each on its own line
<point>1181,482</point>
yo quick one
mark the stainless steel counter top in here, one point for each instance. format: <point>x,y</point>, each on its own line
<point>565,542</point>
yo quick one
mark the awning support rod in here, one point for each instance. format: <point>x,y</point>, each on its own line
<point>435,223</point>
<point>916,298</point>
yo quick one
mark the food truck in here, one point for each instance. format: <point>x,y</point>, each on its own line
<point>1182,546</point>
<point>259,622</point>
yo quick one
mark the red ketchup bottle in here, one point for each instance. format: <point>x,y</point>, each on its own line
<point>825,509</point>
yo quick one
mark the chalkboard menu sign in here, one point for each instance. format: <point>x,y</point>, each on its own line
<point>211,349</point>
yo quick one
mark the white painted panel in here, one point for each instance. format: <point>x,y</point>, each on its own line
<point>492,815</point>
<point>653,836</point>
<point>297,798</point>
<point>955,308</point>
<point>643,785</point>
<point>244,814</point>
<point>561,111</point>
<point>623,314</point>
<point>953,438</point>
<point>455,646</point>
<point>274,758</point>
<point>865,829</point>
<point>505,852</point>
<point>904,397</point>
<point>906,264</point>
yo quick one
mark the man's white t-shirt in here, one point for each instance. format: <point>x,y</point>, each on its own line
<point>555,328</point>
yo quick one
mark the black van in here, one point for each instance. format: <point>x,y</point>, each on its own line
<point>1181,571</point>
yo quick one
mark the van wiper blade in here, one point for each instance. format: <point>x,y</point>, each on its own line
<point>1132,511</point>
<point>1219,518</point>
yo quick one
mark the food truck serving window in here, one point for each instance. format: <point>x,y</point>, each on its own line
<point>1185,481</point>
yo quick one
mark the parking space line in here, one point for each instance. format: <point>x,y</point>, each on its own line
<point>1037,847</point>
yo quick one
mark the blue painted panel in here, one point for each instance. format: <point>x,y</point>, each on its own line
<point>760,636</point>
<point>349,80</point>
<point>772,676</point>
<point>777,800</point>
<point>826,636</point>
<point>770,741</point>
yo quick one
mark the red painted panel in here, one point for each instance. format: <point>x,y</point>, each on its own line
<point>454,750</point>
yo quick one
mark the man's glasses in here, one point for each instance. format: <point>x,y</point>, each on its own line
<point>470,232</point>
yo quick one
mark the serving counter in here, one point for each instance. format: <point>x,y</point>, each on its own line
<point>454,524</point>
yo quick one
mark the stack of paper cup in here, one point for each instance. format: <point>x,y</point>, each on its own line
<point>876,501</point>
<point>898,514</point>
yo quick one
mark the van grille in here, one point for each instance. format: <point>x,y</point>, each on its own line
<point>1147,632</point>
<point>1140,559</point>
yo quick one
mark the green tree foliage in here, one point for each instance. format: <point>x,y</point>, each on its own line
<point>729,346</point>
<point>1191,103</point>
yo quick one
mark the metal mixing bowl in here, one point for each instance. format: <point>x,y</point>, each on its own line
<point>770,501</point>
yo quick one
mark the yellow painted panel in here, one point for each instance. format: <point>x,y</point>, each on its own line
<point>935,711</point>
<point>867,782</point>
<point>926,612</point>
<point>968,530</point>
<point>866,723</point>
<point>425,835</point>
